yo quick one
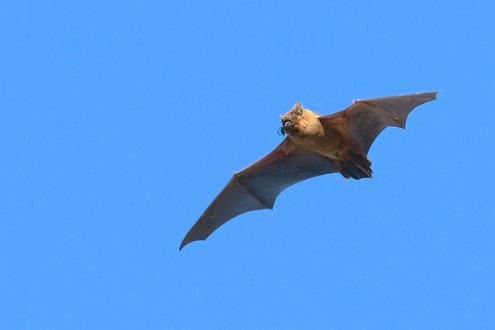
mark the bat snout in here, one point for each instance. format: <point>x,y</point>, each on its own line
<point>291,119</point>
<point>288,126</point>
<point>287,123</point>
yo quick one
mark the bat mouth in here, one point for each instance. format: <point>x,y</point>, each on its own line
<point>290,119</point>
<point>287,125</point>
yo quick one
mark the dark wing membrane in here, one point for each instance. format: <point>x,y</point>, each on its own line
<point>366,119</point>
<point>257,187</point>
<point>232,201</point>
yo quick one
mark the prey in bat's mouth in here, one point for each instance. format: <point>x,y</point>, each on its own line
<point>291,119</point>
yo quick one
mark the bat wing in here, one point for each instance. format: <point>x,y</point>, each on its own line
<point>366,119</point>
<point>257,186</point>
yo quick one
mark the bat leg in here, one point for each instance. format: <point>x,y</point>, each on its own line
<point>350,169</point>
<point>356,166</point>
<point>343,171</point>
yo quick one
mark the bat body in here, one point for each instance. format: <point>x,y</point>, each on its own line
<point>315,145</point>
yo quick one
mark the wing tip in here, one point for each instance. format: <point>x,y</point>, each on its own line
<point>187,240</point>
<point>428,96</point>
<point>183,243</point>
<point>193,235</point>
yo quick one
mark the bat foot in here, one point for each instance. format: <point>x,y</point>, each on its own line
<point>356,168</point>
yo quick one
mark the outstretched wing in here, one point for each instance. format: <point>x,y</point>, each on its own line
<point>257,186</point>
<point>366,119</point>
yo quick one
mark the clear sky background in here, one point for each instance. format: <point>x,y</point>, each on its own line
<point>122,120</point>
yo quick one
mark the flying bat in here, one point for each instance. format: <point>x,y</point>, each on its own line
<point>315,145</point>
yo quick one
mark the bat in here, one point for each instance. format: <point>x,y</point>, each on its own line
<point>314,145</point>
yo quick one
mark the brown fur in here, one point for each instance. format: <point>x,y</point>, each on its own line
<point>331,140</point>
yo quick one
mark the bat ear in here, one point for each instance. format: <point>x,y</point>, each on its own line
<point>298,108</point>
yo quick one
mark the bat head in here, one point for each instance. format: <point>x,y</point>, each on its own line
<point>290,120</point>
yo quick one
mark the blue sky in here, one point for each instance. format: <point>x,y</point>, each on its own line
<point>121,121</point>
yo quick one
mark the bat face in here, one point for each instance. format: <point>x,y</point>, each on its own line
<point>290,120</point>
